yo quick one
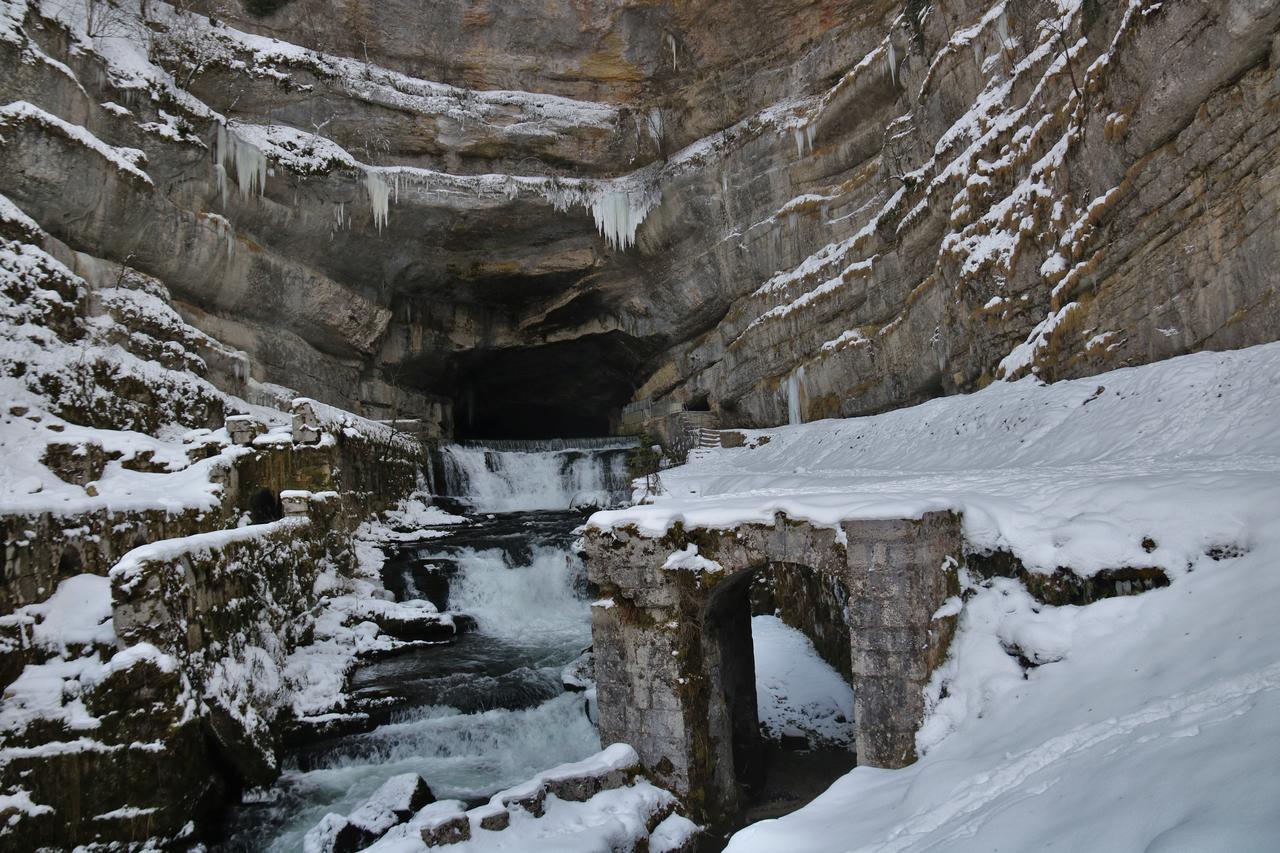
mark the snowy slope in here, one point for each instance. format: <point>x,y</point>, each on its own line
<point>1144,723</point>
<point>1077,474</point>
<point>1158,730</point>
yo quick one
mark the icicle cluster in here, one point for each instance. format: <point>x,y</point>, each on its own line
<point>379,198</point>
<point>618,208</point>
<point>804,139</point>
<point>246,158</point>
<point>617,217</point>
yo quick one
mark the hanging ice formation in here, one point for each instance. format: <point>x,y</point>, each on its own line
<point>618,206</point>
<point>794,415</point>
<point>379,198</point>
<point>247,159</point>
<point>617,218</point>
<point>804,139</point>
<point>893,63</point>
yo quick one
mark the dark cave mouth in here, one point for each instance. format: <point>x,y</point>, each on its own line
<point>568,389</point>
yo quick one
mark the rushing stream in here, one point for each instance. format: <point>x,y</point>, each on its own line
<point>489,710</point>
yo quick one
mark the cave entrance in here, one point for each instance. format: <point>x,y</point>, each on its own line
<point>779,643</point>
<point>566,389</point>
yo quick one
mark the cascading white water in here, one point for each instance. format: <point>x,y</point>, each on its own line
<point>531,619</point>
<point>463,755</point>
<point>525,476</point>
<point>488,711</point>
<point>537,602</point>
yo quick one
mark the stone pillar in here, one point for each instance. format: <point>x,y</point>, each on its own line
<point>639,655</point>
<point>899,574</point>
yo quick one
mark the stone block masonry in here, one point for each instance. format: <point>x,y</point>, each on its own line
<point>674,664</point>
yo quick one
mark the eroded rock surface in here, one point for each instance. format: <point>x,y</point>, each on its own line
<point>837,208</point>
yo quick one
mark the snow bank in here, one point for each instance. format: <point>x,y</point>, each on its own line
<point>1152,729</point>
<point>1184,454</point>
<point>130,567</point>
<point>126,160</point>
<point>77,614</point>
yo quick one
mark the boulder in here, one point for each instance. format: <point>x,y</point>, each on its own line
<point>397,800</point>
<point>335,834</point>
<point>444,822</point>
<point>491,816</point>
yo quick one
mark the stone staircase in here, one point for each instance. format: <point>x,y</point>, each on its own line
<point>702,441</point>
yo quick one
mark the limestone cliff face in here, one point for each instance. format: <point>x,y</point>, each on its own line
<point>836,207</point>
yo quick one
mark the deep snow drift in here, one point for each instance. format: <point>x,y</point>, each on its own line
<point>1148,722</point>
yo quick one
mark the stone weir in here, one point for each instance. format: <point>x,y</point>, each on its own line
<point>673,648</point>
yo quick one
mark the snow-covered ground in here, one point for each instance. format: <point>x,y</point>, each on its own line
<point>1184,453</point>
<point>1143,723</point>
<point>798,694</point>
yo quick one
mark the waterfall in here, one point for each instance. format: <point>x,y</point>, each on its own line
<point>516,476</point>
<point>540,600</point>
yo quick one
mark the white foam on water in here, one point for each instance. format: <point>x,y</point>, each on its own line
<point>492,480</point>
<point>464,756</point>
<point>537,602</point>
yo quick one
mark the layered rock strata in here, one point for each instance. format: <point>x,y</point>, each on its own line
<point>865,205</point>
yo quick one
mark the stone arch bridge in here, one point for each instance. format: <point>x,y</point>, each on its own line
<point>674,661</point>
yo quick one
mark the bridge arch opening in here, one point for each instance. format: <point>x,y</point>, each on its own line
<point>777,767</point>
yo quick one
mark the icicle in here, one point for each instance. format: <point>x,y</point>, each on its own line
<point>617,217</point>
<point>671,40</point>
<point>803,136</point>
<point>249,161</point>
<point>1002,30</point>
<point>612,213</point>
<point>893,63</point>
<point>221,172</point>
<point>251,168</point>
<point>379,198</point>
